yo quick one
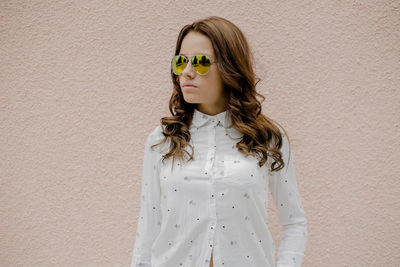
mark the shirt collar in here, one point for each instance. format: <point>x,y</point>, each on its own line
<point>221,119</point>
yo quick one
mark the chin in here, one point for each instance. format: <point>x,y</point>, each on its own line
<point>191,102</point>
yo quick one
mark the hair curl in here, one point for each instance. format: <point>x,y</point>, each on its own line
<point>235,63</point>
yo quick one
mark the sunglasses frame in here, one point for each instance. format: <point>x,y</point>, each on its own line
<point>191,62</point>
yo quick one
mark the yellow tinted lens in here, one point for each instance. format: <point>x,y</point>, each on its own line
<point>201,64</point>
<point>178,64</point>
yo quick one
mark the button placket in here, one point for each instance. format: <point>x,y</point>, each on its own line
<point>211,153</point>
<point>211,160</point>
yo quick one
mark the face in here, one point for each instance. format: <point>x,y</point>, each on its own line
<point>208,93</point>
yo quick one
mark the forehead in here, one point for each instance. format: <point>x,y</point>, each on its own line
<point>195,43</point>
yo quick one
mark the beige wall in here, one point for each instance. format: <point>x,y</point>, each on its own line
<point>82,83</point>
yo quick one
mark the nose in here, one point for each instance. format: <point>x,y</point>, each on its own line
<point>188,70</point>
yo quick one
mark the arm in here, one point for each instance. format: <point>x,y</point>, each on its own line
<point>149,220</point>
<point>291,215</point>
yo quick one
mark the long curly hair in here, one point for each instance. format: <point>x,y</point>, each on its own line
<point>235,63</point>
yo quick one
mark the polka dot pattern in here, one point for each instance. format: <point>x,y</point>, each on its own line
<point>215,207</point>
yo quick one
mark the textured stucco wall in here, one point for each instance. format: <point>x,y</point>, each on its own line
<point>82,83</point>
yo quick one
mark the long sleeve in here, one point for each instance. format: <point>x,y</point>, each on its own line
<point>291,215</point>
<point>149,220</point>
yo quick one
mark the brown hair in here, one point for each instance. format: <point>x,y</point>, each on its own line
<point>235,63</point>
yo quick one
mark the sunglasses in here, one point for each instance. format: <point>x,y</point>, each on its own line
<point>200,63</point>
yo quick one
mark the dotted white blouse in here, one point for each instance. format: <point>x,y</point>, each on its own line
<point>216,204</point>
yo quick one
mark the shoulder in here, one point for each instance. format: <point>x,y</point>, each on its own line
<point>286,146</point>
<point>280,128</point>
<point>155,136</point>
<point>285,140</point>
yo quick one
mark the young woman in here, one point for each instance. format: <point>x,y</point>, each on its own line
<point>207,205</point>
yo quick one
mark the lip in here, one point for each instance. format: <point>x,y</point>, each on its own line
<point>189,85</point>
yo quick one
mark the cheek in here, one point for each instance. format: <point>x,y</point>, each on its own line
<point>210,88</point>
<point>216,85</point>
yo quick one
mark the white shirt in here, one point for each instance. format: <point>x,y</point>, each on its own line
<point>216,203</point>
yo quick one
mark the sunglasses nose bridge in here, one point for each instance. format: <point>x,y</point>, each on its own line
<point>188,64</point>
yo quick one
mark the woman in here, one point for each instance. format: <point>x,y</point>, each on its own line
<point>210,207</point>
